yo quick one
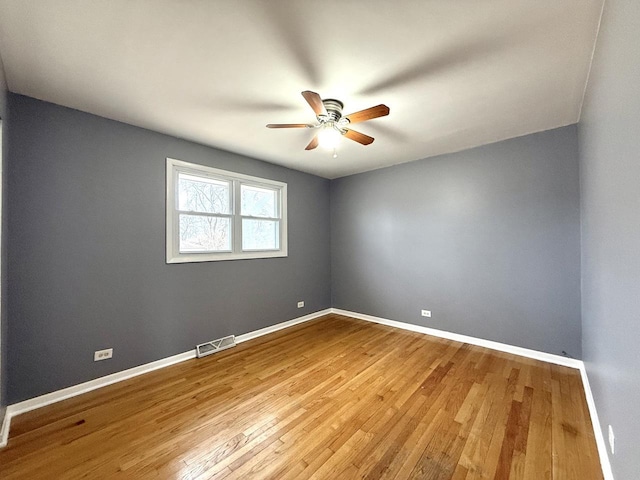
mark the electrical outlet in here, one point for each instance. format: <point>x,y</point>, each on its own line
<point>612,440</point>
<point>426,313</point>
<point>102,354</point>
<point>300,304</point>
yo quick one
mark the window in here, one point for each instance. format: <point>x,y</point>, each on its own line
<point>218,215</point>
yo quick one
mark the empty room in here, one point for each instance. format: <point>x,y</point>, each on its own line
<point>320,240</point>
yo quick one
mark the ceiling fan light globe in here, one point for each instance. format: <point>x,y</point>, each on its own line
<point>329,138</point>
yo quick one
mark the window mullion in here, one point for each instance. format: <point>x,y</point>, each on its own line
<point>270,219</point>
<point>203,214</point>
<point>237,217</point>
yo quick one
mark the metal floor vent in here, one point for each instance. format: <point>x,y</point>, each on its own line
<point>214,346</point>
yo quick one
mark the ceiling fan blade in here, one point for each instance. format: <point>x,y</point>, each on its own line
<point>358,137</point>
<point>315,102</point>
<point>313,143</point>
<point>369,113</point>
<point>289,125</point>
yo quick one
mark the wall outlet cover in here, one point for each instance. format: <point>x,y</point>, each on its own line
<point>102,354</point>
<point>300,304</point>
<point>426,313</point>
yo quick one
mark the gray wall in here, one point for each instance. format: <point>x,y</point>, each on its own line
<point>488,239</point>
<point>609,142</point>
<point>87,264</point>
<point>3,234</point>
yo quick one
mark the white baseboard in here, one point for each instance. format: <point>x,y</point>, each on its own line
<point>4,429</point>
<point>59,395</point>
<point>503,347</point>
<point>523,352</point>
<point>274,328</point>
<point>600,441</point>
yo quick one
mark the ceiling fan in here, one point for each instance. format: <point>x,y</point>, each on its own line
<point>332,123</point>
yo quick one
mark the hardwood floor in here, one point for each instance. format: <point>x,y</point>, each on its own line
<point>335,398</point>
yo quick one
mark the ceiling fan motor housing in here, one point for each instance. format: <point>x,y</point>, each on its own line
<point>334,109</point>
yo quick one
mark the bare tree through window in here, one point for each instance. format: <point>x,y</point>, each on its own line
<point>205,232</point>
<point>259,233</point>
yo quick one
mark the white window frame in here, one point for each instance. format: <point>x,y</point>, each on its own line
<point>173,255</point>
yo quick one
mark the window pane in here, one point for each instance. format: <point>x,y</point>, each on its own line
<point>260,234</point>
<point>204,234</point>
<point>259,202</point>
<point>201,194</point>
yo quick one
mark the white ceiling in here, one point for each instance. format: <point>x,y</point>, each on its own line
<point>455,74</point>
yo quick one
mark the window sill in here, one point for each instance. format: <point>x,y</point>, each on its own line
<point>219,257</point>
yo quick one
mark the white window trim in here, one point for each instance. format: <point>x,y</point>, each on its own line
<point>173,254</point>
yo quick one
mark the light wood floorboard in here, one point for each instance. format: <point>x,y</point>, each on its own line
<point>334,398</point>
